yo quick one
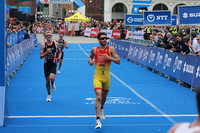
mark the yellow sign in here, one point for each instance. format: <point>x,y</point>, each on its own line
<point>77,17</point>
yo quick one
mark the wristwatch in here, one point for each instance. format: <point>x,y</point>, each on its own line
<point>197,52</point>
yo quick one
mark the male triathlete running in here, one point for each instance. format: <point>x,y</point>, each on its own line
<point>48,52</point>
<point>62,44</point>
<point>103,57</point>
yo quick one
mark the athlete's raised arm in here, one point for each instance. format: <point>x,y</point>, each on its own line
<point>113,54</point>
<point>90,62</point>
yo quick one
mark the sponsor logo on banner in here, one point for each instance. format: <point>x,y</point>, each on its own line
<point>188,68</point>
<point>152,56</point>
<point>177,64</point>
<point>198,72</point>
<point>135,51</point>
<point>113,100</point>
<point>191,15</point>
<point>130,19</point>
<point>140,53</point>
<point>152,17</point>
<point>130,51</point>
<point>167,61</point>
<point>159,59</point>
<point>145,55</point>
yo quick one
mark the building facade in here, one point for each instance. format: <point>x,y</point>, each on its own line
<point>118,8</point>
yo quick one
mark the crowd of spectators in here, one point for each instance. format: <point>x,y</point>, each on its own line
<point>185,40</point>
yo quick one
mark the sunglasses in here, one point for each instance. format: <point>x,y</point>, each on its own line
<point>104,38</point>
<point>61,36</point>
<point>48,35</point>
<point>198,39</point>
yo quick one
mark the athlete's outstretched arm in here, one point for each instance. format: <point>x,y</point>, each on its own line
<point>90,62</point>
<point>173,128</point>
<point>113,54</point>
<point>42,54</point>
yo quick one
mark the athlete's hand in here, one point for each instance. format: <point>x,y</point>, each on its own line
<point>106,57</point>
<point>91,63</point>
<point>57,60</point>
<point>48,50</point>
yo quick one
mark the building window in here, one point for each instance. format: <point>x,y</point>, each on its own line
<point>160,7</point>
<point>119,7</point>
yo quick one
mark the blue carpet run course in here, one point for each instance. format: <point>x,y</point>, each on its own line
<point>139,101</point>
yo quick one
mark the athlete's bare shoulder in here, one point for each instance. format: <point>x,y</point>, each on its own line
<point>42,45</point>
<point>93,49</point>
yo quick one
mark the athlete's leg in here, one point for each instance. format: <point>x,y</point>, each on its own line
<point>48,85</point>
<point>104,96</point>
<point>52,78</point>
<point>98,103</point>
<point>61,60</point>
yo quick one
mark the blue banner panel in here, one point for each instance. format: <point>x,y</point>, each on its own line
<point>177,66</point>
<point>35,39</point>
<point>174,20</point>
<point>189,68</point>
<point>167,62</point>
<point>159,59</point>
<point>130,52</point>
<point>142,2</point>
<point>133,52</point>
<point>20,36</point>
<point>140,53</point>
<point>145,55</point>
<point>157,18</point>
<point>196,78</point>
<point>133,19</point>
<point>152,57</point>
<point>189,15</point>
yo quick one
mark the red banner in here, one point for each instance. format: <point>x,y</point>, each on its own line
<point>94,32</point>
<point>116,33</point>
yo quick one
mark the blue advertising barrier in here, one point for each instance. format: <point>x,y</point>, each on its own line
<point>20,36</point>
<point>159,59</point>
<point>15,38</point>
<point>189,68</point>
<point>35,39</point>
<point>167,62</point>
<point>196,77</point>
<point>152,57</point>
<point>176,68</point>
<point>184,68</point>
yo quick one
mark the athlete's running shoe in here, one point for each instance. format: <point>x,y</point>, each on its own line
<point>102,115</point>
<point>98,124</point>
<point>48,98</point>
<point>53,87</point>
<point>58,71</point>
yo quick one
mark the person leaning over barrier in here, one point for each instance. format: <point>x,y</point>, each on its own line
<point>179,45</point>
<point>197,50</point>
<point>187,43</point>
<point>187,127</point>
<point>169,42</point>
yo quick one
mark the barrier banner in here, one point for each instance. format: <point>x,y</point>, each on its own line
<point>20,36</point>
<point>94,32</point>
<point>196,77</point>
<point>87,32</point>
<point>124,48</point>
<point>9,61</point>
<point>138,34</point>
<point>62,30</point>
<point>13,39</point>
<point>128,34</point>
<point>116,33</point>
<point>108,32</point>
<point>140,53</point>
<point>167,62</point>
<point>188,70</point>
<point>152,56</point>
<point>35,39</point>
<point>40,30</point>
<point>130,52</point>
<point>159,59</point>
<point>145,55</point>
<point>176,68</point>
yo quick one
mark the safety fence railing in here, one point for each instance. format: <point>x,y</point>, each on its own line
<point>17,55</point>
<point>173,65</point>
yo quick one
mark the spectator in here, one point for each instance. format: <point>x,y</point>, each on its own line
<point>26,35</point>
<point>160,42</point>
<point>196,50</point>
<point>179,45</point>
<point>166,30</point>
<point>187,43</point>
<point>169,42</point>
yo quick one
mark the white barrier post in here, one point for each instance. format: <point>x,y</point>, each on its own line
<point>3,52</point>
